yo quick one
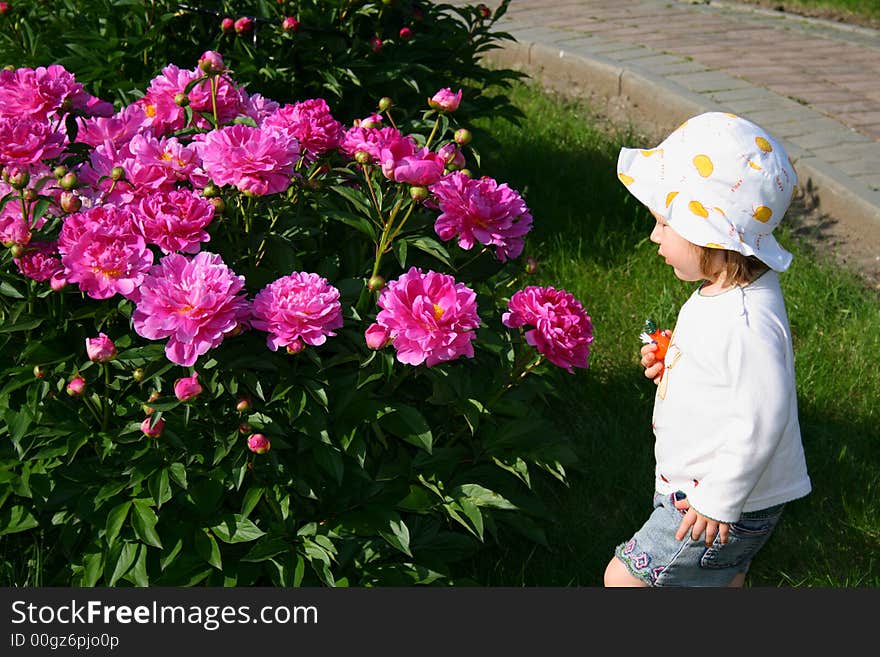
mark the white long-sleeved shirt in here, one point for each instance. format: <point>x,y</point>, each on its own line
<point>725,414</point>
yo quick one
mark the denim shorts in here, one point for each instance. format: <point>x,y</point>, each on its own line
<point>656,557</point>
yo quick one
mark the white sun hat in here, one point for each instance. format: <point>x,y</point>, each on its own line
<point>720,181</point>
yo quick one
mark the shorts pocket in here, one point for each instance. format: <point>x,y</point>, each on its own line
<point>744,539</point>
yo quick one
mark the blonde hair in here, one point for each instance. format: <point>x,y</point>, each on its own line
<point>737,269</point>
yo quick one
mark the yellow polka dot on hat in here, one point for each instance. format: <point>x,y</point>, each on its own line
<point>720,181</point>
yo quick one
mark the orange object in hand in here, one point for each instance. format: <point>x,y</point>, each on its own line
<point>651,334</point>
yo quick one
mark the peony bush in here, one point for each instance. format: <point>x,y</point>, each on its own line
<point>247,343</point>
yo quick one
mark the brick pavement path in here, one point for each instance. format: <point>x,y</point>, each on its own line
<point>813,84</point>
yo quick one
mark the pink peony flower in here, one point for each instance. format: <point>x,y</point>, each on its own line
<point>373,140</point>
<point>195,303</point>
<point>481,211</point>
<point>153,431</point>
<point>40,261</point>
<point>445,101</point>
<point>118,129</point>
<point>175,220</point>
<point>101,252</point>
<point>310,123</point>
<point>255,161</point>
<point>429,317</point>
<point>100,349</point>
<point>258,107</point>
<point>46,92</point>
<point>187,387</point>
<point>76,386</point>
<point>162,114</point>
<point>422,168</point>
<point>562,330</point>
<point>290,24</point>
<point>258,443</point>
<point>24,140</point>
<point>298,309</point>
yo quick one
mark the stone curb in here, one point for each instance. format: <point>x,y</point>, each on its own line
<point>655,100</point>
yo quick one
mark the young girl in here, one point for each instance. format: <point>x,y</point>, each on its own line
<point>728,446</point>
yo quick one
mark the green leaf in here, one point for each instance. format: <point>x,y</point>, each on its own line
<point>115,520</point>
<point>431,247</point>
<point>144,521</point>
<point>266,548</point>
<point>207,548</point>
<point>237,529</point>
<point>397,535</point>
<point>482,496</point>
<point>127,555</point>
<point>355,221</point>
<point>25,325</point>
<point>93,568</point>
<point>16,519</point>
<point>251,499</point>
<point>160,487</point>
<point>178,474</point>
<point>138,573</point>
<point>407,423</point>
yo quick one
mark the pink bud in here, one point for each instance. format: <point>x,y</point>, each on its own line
<point>211,62</point>
<point>405,34</point>
<point>376,44</point>
<point>484,10</point>
<point>295,347</point>
<point>227,25</point>
<point>76,386</point>
<point>445,101</point>
<point>244,25</point>
<point>290,24</point>
<point>100,349</point>
<point>463,136</point>
<point>58,282</point>
<point>376,337</point>
<point>4,7</point>
<point>258,443</point>
<point>452,156</point>
<point>531,265</point>
<point>152,431</point>
<point>70,202</point>
<point>187,387</point>
<point>244,404</point>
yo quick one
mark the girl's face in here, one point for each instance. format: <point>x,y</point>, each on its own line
<point>681,255</point>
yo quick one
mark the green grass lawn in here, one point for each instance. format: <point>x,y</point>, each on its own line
<point>591,238</point>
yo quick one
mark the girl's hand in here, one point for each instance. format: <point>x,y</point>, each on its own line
<point>697,523</point>
<point>653,366</point>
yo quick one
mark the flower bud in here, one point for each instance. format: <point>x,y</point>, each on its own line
<point>405,34</point>
<point>59,171</point>
<point>375,283</point>
<point>418,193</point>
<point>39,372</point>
<point>76,386</point>
<point>258,443</point>
<point>17,178</point>
<point>385,103</point>
<point>138,374</point>
<point>154,396</point>
<point>531,265</point>
<point>362,157</point>
<point>244,427</point>
<point>227,25</point>
<point>376,337</point>
<point>69,181</point>
<point>181,99</point>
<point>58,282</point>
<point>244,404</point>
<point>466,172</point>
<point>376,44</point>
<point>211,63</point>
<point>484,11</point>
<point>187,388</point>
<point>211,190</point>
<point>16,250</point>
<point>147,409</point>
<point>445,101</point>
<point>463,136</point>
<point>295,347</point>
<point>219,205</point>
<point>70,202</point>
<point>153,431</point>
<point>243,25</point>
<point>117,173</point>
<point>30,194</point>
<point>290,24</point>
<point>100,349</point>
